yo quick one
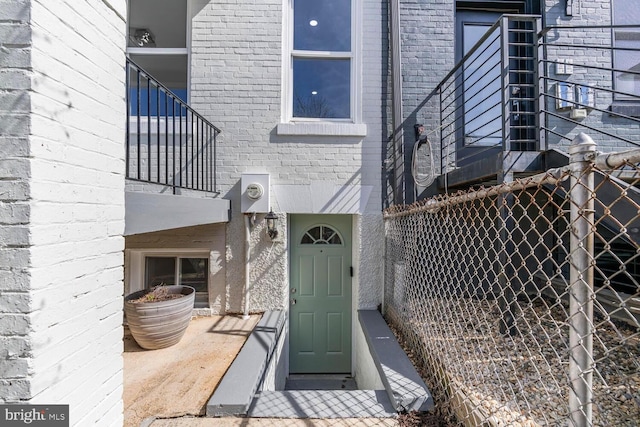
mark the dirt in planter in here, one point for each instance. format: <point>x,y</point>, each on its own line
<point>156,294</point>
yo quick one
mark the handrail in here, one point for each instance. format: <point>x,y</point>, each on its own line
<point>487,101</point>
<point>480,109</point>
<point>167,141</point>
<point>473,50</point>
<point>169,91</point>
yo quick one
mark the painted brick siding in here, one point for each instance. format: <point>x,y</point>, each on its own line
<point>71,110</point>
<point>589,13</point>
<point>236,84</point>
<point>427,37</point>
<point>15,81</point>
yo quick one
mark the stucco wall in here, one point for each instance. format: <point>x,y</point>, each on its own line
<point>210,238</point>
<point>62,278</point>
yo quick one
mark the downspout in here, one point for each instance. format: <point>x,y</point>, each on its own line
<point>397,114</point>
<point>247,263</point>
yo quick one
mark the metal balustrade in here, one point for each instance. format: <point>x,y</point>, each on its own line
<point>489,101</point>
<point>590,85</point>
<point>523,88</point>
<point>167,142</point>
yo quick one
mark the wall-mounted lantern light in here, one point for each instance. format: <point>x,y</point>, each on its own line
<point>272,222</point>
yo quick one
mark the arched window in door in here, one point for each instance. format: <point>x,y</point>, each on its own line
<point>321,235</point>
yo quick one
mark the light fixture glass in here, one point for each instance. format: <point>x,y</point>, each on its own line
<point>142,37</point>
<point>272,221</point>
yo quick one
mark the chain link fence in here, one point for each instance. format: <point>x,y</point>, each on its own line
<point>521,302</point>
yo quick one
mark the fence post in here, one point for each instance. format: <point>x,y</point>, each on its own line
<point>582,153</point>
<point>540,102</point>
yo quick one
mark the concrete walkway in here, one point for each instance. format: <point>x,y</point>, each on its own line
<point>178,380</point>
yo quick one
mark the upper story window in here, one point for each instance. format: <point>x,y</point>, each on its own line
<point>627,49</point>
<point>321,67</point>
<point>157,42</point>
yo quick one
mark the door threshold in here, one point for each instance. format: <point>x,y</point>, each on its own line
<point>320,382</point>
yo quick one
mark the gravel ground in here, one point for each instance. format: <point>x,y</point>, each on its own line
<point>486,378</point>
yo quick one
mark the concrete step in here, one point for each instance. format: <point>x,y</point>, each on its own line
<point>322,404</point>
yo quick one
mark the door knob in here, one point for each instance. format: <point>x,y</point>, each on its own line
<point>293,290</point>
<point>293,301</point>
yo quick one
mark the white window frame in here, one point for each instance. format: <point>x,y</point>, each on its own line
<point>616,85</point>
<point>351,126</point>
<point>136,265</point>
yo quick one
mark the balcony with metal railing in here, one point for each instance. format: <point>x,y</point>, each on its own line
<point>513,103</point>
<point>171,159</point>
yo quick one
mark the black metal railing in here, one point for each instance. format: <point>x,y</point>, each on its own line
<point>168,142</point>
<point>591,84</point>
<point>525,88</point>
<point>489,101</point>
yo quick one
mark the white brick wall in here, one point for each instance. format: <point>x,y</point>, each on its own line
<point>15,343</point>
<point>236,84</point>
<point>62,208</point>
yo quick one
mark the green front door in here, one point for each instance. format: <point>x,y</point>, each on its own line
<point>320,294</point>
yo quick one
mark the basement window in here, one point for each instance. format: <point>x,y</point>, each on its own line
<point>149,268</point>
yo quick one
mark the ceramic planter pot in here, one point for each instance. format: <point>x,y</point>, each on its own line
<point>159,324</point>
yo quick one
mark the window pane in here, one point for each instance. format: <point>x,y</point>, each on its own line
<point>628,60</point>
<point>193,272</point>
<point>160,271</point>
<point>626,12</point>
<point>321,88</point>
<point>170,70</point>
<point>321,235</point>
<point>322,25</point>
<point>481,88</point>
